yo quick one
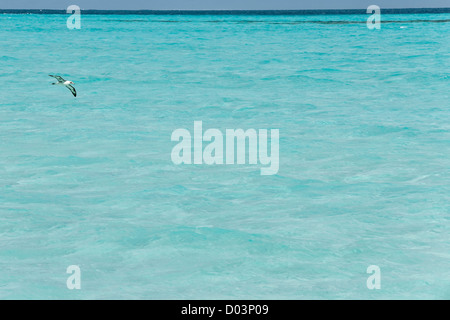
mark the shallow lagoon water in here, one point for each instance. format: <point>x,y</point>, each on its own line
<point>364,172</point>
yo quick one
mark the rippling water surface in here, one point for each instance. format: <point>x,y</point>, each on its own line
<point>364,172</point>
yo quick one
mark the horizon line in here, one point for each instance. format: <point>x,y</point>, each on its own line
<point>334,9</point>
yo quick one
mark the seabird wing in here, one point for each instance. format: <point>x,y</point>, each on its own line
<point>60,79</point>
<point>72,89</point>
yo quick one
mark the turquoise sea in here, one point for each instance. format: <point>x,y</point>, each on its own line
<point>364,177</point>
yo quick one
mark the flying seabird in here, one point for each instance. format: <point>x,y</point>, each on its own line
<point>65,83</point>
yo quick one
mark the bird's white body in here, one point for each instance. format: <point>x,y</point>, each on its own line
<point>65,83</point>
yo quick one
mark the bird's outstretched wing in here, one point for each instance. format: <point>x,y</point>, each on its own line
<point>72,89</point>
<point>60,79</point>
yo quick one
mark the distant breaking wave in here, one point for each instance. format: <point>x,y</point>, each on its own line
<point>275,22</point>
